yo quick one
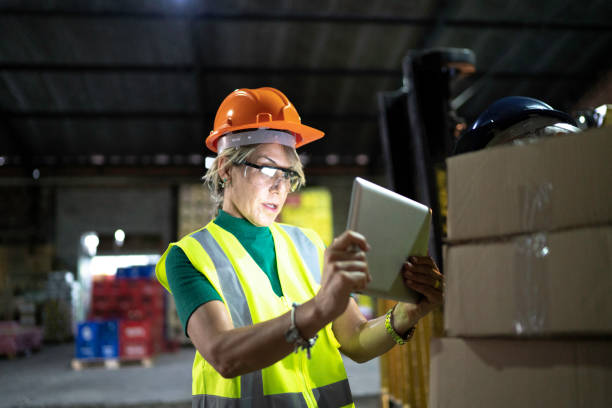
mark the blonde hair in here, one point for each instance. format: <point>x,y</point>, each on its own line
<point>235,156</point>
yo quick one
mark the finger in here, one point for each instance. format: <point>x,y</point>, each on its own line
<point>350,238</point>
<point>425,278</point>
<point>337,255</point>
<point>352,266</point>
<point>422,269</point>
<point>434,296</point>
<point>358,280</point>
<point>422,260</point>
<point>340,266</point>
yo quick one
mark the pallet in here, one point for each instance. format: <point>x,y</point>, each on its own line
<point>79,364</point>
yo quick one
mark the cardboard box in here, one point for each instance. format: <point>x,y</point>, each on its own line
<point>541,284</point>
<point>557,182</point>
<point>520,373</point>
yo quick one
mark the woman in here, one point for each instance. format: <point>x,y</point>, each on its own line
<point>247,289</point>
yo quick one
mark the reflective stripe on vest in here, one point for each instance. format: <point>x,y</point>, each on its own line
<point>307,250</point>
<point>337,394</point>
<point>250,383</point>
<point>288,400</point>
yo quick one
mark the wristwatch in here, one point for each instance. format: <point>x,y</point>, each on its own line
<point>293,336</point>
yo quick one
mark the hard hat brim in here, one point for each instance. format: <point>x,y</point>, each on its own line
<point>303,134</point>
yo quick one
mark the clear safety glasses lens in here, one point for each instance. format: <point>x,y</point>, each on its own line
<point>268,175</point>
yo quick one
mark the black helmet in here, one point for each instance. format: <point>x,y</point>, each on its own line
<point>504,113</point>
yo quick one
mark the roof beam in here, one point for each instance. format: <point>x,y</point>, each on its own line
<point>284,17</point>
<point>164,115</point>
<point>188,69</point>
<point>191,69</point>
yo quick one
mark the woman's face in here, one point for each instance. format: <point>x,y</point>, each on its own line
<point>247,198</point>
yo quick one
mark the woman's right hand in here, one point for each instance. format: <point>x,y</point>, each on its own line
<point>345,270</point>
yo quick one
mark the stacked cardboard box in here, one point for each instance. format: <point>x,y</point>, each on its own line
<point>528,276</point>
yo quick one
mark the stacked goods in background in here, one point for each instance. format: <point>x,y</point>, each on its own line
<point>58,308</point>
<point>127,317</point>
<point>23,271</point>
<point>528,266</point>
<point>195,208</point>
<point>16,339</point>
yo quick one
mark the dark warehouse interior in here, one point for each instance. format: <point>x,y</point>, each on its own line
<point>104,111</point>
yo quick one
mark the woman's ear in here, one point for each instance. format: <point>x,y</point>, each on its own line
<point>223,171</point>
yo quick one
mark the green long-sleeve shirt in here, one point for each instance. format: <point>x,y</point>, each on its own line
<point>191,289</point>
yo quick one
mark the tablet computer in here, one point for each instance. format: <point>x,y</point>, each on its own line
<point>395,227</point>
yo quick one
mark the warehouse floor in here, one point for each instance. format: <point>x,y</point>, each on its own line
<point>45,379</point>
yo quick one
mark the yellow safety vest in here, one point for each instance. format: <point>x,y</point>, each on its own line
<point>294,381</point>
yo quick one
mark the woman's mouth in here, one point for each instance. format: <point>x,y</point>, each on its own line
<point>270,206</point>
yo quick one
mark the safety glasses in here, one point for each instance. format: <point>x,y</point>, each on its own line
<point>269,175</point>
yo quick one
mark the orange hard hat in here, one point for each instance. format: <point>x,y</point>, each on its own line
<point>266,108</point>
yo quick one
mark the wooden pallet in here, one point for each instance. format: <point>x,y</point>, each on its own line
<point>79,364</point>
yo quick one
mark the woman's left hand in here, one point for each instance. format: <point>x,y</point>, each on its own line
<point>421,274</point>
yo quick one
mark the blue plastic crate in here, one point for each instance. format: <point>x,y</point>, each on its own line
<point>136,272</point>
<point>128,272</point>
<point>120,274</point>
<point>146,271</point>
<point>97,339</point>
<point>108,337</point>
<point>87,340</point>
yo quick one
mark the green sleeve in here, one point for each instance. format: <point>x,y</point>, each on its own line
<point>190,288</point>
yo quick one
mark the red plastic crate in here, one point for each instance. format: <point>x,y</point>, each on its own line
<point>135,330</point>
<point>103,303</point>
<point>139,339</point>
<point>136,349</point>
<point>105,288</point>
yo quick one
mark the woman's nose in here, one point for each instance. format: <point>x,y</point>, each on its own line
<point>277,184</point>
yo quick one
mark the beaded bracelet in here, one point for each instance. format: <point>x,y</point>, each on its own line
<point>394,334</point>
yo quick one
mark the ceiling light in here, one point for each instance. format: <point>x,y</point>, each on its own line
<point>362,159</point>
<point>195,159</point>
<point>304,158</point>
<point>97,159</point>
<point>119,237</point>
<point>90,242</point>
<point>332,159</point>
<point>162,159</point>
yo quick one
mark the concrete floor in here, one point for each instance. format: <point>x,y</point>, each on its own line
<point>45,379</point>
